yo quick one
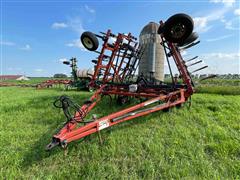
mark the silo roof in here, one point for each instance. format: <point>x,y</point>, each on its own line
<point>150,28</point>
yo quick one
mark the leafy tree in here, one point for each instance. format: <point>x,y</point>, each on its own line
<point>60,75</point>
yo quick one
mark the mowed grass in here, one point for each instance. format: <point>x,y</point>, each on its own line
<point>200,142</point>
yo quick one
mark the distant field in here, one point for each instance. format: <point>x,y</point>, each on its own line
<point>222,82</point>
<point>202,142</point>
<point>33,80</point>
<point>212,86</point>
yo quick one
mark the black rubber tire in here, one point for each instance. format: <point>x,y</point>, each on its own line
<point>89,41</point>
<point>194,36</point>
<point>94,61</point>
<point>66,62</point>
<point>172,28</point>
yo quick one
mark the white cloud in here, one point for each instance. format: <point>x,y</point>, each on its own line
<point>202,23</point>
<point>7,43</point>
<point>222,62</point>
<point>222,56</point>
<point>184,53</point>
<point>39,70</point>
<point>63,59</point>
<point>76,25</point>
<point>232,24</point>
<point>76,43</point>
<point>112,40</point>
<point>219,38</point>
<point>227,3</point>
<point>73,23</point>
<point>27,47</point>
<point>58,25</point>
<point>90,10</point>
<point>237,12</point>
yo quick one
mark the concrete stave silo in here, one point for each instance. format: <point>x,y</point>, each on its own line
<point>152,60</point>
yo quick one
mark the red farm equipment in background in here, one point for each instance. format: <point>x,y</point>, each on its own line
<point>53,82</point>
<point>79,80</point>
<point>115,75</point>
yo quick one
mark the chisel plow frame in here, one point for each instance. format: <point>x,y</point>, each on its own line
<point>112,81</point>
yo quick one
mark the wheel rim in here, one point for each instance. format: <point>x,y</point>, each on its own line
<point>178,30</point>
<point>87,42</point>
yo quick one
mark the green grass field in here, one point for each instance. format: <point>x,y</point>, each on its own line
<point>196,143</point>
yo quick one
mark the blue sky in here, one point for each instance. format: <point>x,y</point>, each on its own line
<point>37,35</point>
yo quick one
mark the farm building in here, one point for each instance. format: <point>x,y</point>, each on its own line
<point>14,77</point>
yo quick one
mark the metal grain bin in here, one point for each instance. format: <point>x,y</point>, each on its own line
<point>84,73</point>
<point>152,60</point>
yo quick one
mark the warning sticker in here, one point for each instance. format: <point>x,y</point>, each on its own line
<point>103,124</point>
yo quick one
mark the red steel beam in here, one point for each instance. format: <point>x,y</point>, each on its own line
<point>69,135</point>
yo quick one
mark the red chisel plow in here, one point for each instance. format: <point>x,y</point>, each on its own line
<point>115,75</point>
<point>52,82</point>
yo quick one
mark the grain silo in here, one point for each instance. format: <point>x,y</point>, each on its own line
<point>152,61</point>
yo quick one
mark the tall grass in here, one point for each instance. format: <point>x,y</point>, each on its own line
<point>222,82</point>
<point>219,86</point>
<point>223,90</point>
